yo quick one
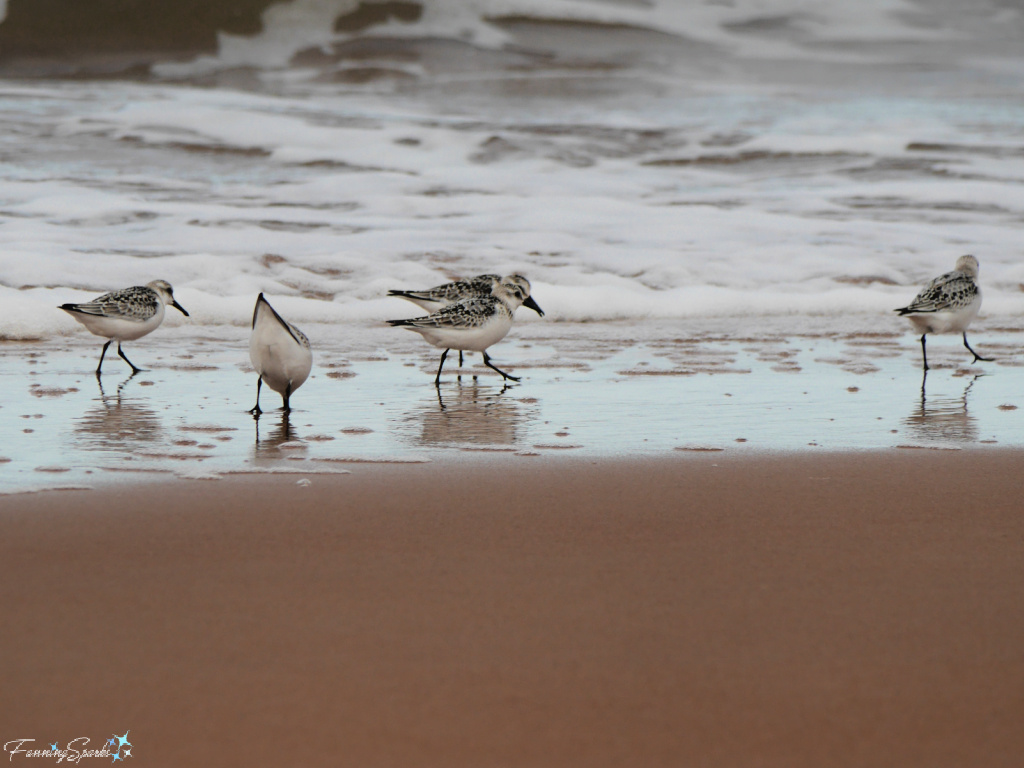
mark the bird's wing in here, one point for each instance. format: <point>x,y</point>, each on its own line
<point>138,304</point>
<point>467,313</point>
<point>948,291</point>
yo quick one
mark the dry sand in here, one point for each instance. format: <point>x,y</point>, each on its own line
<point>842,609</point>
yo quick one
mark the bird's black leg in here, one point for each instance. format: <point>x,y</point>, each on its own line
<point>121,354</point>
<point>460,358</point>
<point>102,355</point>
<point>924,354</point>
<point>256,410</point>
<point>287,398</point>
<point>487,362</point>
<point>977,357</point>
<point>437,379</point>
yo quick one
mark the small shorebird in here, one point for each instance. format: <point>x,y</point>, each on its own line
<point>433,299</point>
<point>474,323</point>
<point>125,315</point>
<point>947,304</point>
<point>280,353</point>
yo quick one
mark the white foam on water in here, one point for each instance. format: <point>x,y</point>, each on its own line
<point>690,199</point>
<point>748,28</point>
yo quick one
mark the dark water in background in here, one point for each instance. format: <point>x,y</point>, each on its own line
<point>51,32</point>
<point>915,42</point>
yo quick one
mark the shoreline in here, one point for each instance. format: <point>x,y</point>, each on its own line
<point>855,608</point>
<point>371,398</point>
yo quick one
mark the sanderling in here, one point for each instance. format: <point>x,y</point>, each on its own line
<point>473,323</point>
<point>947,304</point>
<point>280,353</point>
<point>433,299</point>
<point>125,315</point>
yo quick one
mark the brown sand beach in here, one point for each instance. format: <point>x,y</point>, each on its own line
<point>709,609</point>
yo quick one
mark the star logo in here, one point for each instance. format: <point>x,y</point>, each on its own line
<point>54,746</point>
<point>122,741</point>
<point>127,753</point>
<point>116,758</point>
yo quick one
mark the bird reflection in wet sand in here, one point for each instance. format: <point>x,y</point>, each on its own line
<point>472,415</point>
<point>118,421</point>
<point>943,419</point>
<point>273,437</point>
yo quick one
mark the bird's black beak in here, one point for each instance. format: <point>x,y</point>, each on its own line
<point>533,305</point>
<point>178,307</point>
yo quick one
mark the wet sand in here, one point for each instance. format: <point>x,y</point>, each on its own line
<point>626,390</point>
<point>709,609</point>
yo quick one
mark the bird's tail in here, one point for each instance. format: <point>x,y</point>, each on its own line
<point>916,309</point>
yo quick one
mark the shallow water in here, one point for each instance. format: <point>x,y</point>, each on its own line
<point>624,394</point>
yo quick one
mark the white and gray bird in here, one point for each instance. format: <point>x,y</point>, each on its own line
<point>473,323</point>
<point>947,304</point>
<point>125,315</point>
<point>280,353</point>
<point>433,299</point>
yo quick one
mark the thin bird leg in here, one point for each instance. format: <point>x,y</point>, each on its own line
<point>119,352</point>
<point>102,355</point>
<point>287,397</point>
<point>437,379</point>
<point>460,358</point>
<point>924,354</point>
<point>487,362</point>
<point>256,410</point>
<point>977,357</point>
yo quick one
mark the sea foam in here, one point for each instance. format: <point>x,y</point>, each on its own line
<point>628,186</point>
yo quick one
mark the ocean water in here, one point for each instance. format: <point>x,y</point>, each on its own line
<point>718,204</point>
<point>777,160</point>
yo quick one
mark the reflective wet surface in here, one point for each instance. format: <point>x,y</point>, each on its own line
<point>627,394</point>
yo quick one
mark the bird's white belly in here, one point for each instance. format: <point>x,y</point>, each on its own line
<point>118,328</point>
<point>468,339</point>
<point>281,363</point>
<point>946,321</point>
